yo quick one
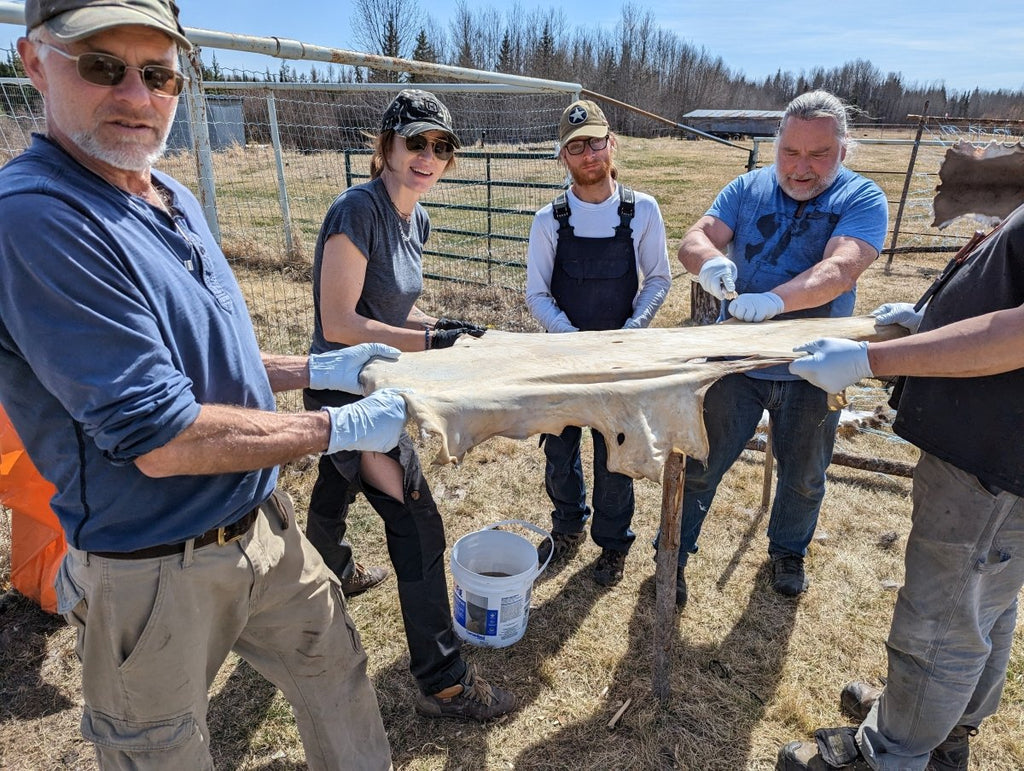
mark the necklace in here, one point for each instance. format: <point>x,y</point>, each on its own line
<point>404,222</point>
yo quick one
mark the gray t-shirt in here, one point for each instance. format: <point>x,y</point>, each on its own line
<point>394,265</point>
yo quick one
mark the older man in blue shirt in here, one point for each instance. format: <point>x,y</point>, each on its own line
<point>129,367</point>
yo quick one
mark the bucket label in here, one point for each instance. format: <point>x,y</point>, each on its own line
<point>472,613</point>
<point>512,607</point>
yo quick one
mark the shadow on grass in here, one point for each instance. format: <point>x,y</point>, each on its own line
<point>718,696</point>
<point>235,716</point>
<point>24,629</point>
<point>465,745</point>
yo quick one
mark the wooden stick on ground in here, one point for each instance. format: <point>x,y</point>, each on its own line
<point>618,715</point>
<point>665,573</point>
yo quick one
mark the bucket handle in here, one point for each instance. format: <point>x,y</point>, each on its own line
<point>535,528</point>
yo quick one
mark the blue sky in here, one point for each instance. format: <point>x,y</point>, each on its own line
<point>928,41</point>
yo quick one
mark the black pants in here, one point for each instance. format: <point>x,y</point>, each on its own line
<point>416,546</point>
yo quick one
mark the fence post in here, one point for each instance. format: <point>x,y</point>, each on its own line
<point>752,158</point>
<point>489,220</point>
<point>282,186</point>
<point>348,168</point>
<point>195,102</point>
<point>906,188</point>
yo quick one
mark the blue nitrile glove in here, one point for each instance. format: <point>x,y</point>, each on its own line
<point>718,277</point>
<point>372,424</point>
<point>339,370</point>
<point>756,306</point>
<point>833,363</point>
<point>469,328</point>
<point>632,324</point>
<point>899,313</point>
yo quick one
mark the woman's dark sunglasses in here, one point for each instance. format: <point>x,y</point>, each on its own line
<point>443,150</point>
<point>107,70</point>
<point>577,146</point>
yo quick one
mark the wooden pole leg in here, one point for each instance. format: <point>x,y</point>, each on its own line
<point>665,573</point>
<point>769,456</point>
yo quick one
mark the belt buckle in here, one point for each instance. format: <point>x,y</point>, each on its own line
<point>222,541</point>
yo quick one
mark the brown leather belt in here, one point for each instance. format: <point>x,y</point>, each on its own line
<point>218,535</point>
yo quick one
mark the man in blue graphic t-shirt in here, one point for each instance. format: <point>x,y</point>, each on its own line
<point>785,241</point>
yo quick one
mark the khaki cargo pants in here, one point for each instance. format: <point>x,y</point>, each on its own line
<point>152,634</point>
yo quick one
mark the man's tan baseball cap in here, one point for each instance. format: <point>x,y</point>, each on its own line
<point>70,20</point>
<point>581,120</point>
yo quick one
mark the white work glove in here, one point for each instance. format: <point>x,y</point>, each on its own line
<point>373,424</point>
<point>339,370</point>
<point>833,363</point>
<point>756,307</point>
<point>718,277</point>
<point>899,313</point>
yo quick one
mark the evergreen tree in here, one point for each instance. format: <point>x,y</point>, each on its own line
<point>506,57</point>
<point>424,52</point>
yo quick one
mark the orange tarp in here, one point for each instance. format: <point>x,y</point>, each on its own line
<point>37,541</point>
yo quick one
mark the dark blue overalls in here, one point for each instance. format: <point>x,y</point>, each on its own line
<point>594,281</point>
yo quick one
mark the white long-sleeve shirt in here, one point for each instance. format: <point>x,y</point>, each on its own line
<point>598,220</point>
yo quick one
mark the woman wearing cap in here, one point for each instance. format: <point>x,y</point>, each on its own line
<point>367,276</point>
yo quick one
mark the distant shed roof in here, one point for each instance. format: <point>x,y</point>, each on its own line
<point>728,114</point>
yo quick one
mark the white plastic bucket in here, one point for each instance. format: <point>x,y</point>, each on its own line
<point>493,573</point>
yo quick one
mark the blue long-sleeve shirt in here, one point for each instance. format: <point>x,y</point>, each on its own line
<point>109,345</point>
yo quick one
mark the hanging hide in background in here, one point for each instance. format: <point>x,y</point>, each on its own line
<point>987,182</point>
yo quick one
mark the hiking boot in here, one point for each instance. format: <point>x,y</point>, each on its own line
<point>788,575</point>
<point>472,698</point>
<point>856,701</point>
<point>832,748</point>
<point>608,570</point>
<point>565,547</point>
<point>857,698</point>
<point>954,752</point>
<point>681,586</point>
<point>362,578</point>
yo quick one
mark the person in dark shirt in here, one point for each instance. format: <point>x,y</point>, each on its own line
<point>953,624</point>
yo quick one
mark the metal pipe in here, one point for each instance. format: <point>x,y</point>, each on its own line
<point>195,101</point>
<point>282,186</point>
<point>285,48</point>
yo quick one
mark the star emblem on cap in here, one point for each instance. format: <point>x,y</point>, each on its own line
<point>577,115</point>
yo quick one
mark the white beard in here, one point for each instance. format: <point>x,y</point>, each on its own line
<point>127,157</point>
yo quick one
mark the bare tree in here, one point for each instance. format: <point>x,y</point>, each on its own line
<point>386,27</point>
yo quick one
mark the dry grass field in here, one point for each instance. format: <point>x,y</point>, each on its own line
<point>749,670</point>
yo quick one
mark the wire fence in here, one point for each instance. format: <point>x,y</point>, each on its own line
<point>913,162</point>
<point>267,158</point>
<point>277,155</point>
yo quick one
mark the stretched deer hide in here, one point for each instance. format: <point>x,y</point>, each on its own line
<point>643,389</point>
<point>984,181</point>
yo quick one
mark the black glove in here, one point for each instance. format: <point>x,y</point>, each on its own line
<point>470,329</point>
<point>445,338</point>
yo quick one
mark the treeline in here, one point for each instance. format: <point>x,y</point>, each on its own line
<point>10,65</point>
<point>637,62</point>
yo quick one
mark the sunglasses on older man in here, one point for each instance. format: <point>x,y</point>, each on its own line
<point>577,146</point>
<point>443,149</point>
<point>106,70</point>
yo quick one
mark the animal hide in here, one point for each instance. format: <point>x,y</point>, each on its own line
<point>643,389</point>
<point>986,181</point>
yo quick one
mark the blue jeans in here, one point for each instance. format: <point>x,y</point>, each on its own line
<point>803,433</point>
<point>952,628</point>
<point>613,493</point>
